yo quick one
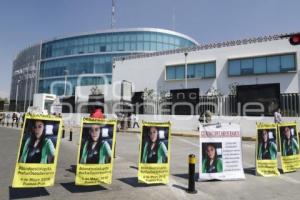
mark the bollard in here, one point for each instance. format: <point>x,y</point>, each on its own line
<point>71,135</point>
<point>192,163</point>
<point>7,123</point>
<point>63,133</point>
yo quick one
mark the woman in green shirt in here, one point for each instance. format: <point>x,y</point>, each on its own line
<point>37,148</point>
<point>154,150</point>
<point>211,164</point>
<point>267,150</point>
<point>95,150</point>
<point>289,144</point>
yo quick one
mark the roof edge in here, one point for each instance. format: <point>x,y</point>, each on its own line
<point>229,43</point>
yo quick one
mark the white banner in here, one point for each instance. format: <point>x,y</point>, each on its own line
<point>220,152</point>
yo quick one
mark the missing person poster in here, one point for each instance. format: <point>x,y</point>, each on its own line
<point>154,153</point>
<point>38,152</point>
<point>266,149</point>
<point>220,152</point>
<point>289,146</point>
<point>96,152</point>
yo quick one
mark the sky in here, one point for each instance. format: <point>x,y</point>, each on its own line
<point>27,22</point>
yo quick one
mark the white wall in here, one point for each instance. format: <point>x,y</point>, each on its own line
<point>189,123</point>
<point>149,72</point>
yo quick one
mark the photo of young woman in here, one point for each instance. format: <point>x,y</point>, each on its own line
<point>95,146</point>
<point>37,147</point>
<point>211,161</point>
<point>267,148</point>
<point>289,143</point>
<point>154,149</point>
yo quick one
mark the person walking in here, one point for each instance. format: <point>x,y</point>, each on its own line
<point>97,113</point>
<point>277,116</point>
<point>135,120</point>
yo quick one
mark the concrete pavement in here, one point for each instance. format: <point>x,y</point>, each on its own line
<point>125,184</point>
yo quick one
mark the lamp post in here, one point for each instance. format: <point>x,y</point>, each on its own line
<point>30,91</point>
<point>25,99</point>
<point>17,93</point>
<point>66,74</point>
<point>185,69</point>
<point>37,69</point>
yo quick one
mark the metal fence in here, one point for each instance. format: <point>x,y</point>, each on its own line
<point>224,105</point>
<point>289,104</point>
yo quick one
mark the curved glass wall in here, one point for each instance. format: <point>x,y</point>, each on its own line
<point>91,54</point>
<point>114,42</point>
<point>24,78</point>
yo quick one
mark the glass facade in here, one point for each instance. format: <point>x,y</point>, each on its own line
<point>93,54</point>
<point>114,42</point>
<point>24,78</point>
<point>194,70</point>
<point>262,65</point>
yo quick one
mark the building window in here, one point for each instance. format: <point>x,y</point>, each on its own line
<point>262,65</point>
<point>175,72</point>
<point>194,70</point>
<point>171,75</point>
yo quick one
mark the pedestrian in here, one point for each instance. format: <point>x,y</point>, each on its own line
<point>1,116</point>
<point>135,120</point>
<point>208,116</point>
<point>14,117</point>
<point>277,116</point>
<point>97,113</point>
<point>17,118</point>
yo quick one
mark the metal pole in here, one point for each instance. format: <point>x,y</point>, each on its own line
<point>191,186</point>
<point>25,99</point>
<point>65,89</point>
<point>36,78</point>
<point>17,93</point>
<point>185,68</point>
<point>30,92</point>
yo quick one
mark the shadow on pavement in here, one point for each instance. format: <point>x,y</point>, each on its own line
<point>186,176</point>
<point>134,167</point>
<point>72,169</point>
<point>179,187</point>
<point>133,181</point>
<point>250,171</point>
<point>71,187</point>
<point>22,193</point>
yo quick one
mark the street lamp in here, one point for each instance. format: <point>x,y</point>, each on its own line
<point>66,74</point>
<point>185,69</point>
<point>24,109</point>
<point>17,93</point>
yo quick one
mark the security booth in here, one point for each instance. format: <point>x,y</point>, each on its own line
<point>43,102</point>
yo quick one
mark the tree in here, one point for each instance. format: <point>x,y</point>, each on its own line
<point>5,100</point>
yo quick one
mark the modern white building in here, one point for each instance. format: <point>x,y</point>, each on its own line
<point>263,70</point>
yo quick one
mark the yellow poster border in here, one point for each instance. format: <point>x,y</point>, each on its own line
<point>260,126</point>
<point>282,124</point>
<point>89,120</point>
<point>166,124</point>
<point>29,116</point>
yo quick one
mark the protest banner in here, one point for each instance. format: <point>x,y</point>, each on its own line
<point>154,153</point>
<point>266,149</point>
<point>38,152</point>
<point>96,152</point>
<point>220,152</point>
<point>289,146</point>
